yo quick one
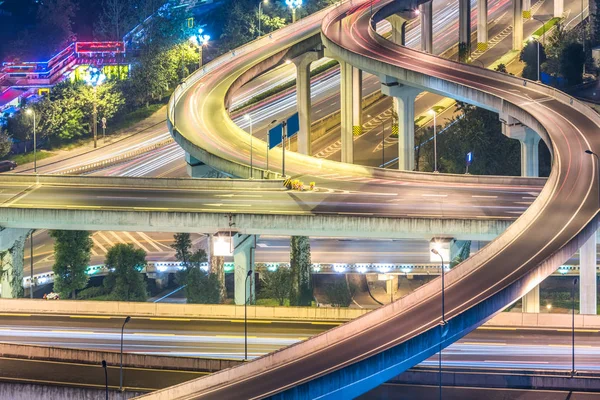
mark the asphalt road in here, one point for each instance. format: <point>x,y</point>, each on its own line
<point>484,348</point>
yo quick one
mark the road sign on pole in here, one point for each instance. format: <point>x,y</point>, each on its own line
<point>469,161</point>
<point>293,125</point>
<point>275,136</point>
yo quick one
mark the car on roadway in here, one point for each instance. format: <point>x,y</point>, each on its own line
<point>7,165</point>
<point>52,296</point>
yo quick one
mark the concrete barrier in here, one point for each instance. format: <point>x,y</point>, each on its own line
<point>68,307</point>
<point>69,355</point>
<point>490,378</point>
<point>27,391</point>
<point>527,320</point>
<point>134,182</point>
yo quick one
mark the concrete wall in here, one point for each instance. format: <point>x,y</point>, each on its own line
<point>68,307</point>
<point>539,380</point>
<point>64,354</point>
<point>510,319</point>
<point>26,391</point>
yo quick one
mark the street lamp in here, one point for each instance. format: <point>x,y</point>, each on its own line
<point>435,169</point>
<point>531,39</point>
<point>105,378</point>
<point>200,41</point>
<point>575,282</point>
<point>31,111</point>
<point>248,275</point>
<point>260,16</point>
<point>248,118</point>
<point>95,78</point>
<point>597,169</point>
<point>437,253</point>
<point>294,4</point>
<point>121,370</point>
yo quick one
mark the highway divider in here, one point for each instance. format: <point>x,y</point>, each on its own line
<point>135,182</point>
<point>165,310</point>
<point>70,355</point>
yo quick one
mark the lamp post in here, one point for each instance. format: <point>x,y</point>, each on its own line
<point>95,78</point>
<point>246,315</point>
<point>260,16</point>
<point>435,168</point>
<point>575,282</point>
<point>436,252</point>
<point>31,111</point>
<point>597,169</point>
<point>200,40</point>
<point>121,369</point>
<point>248,118</point>
<point>31,265</point>
<point>105,378</point>
<point>293,5</point>
<point>383,143</point>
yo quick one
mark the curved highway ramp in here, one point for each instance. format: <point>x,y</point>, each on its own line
<point>360,355</point>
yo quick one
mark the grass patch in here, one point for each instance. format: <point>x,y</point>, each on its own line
<point>285,86</point>
<point>546,27</point>
<point>132,118</point>
<point>21,159</point>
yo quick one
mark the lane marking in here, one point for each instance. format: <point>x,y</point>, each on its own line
<point>171,319</point>
<point>252,321</point>
<point>90,316</point>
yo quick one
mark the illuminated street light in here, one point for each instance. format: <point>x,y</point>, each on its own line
<point>94,77</point>
<point>597,167</point>
<point>248,118</point>
<point>31,111</point>
<point>435,169</point>
<point>293,4</point>
<point>443,323</point>
<point>200,40</point>
<point>121,369</point>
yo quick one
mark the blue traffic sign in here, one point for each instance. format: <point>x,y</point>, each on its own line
<point>469,158</point>
<point>275,136</point>
<point>293,125</point>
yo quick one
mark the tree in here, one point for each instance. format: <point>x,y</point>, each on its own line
<point>571,63</point>
<point>501,68</point>
<point>277,284</point>
<point>71,259</point>
<point>339,294</point>
<point>217,267</point>
<point>529,55</point>
<point>182,245</point>
<point>116,19</point>
<point>302,294</point>
<point>55,24</point>
<point>5,143</point>
<point>202,288</point>
<point>124,281</point>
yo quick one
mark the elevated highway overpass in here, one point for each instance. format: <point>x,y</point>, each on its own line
<point>364,353</point>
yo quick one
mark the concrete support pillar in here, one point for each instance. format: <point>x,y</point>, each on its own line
<point>391,285</point>
<point>404,102</point>
<point>351,108</point>
<point>559,8</point>
<point>587,277</point>
<point>530,141</point>
<point>398,29</point>
<point>530,165</point>
<point>426,11</point>
<point>464,24</point>
<point>12,252</point>
<point>244,247</point>
<point>197,169</point>
<point>527,9</point>
<point>482,25</point>
<point>531,301</point>
<point>517,24</point>
<point>303,63</point>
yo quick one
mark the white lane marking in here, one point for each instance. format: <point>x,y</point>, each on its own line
<point>434,195</point>
<point>149,240</point>
<point>484,197</point>
<point>119,239</point>
<point>130,236</point>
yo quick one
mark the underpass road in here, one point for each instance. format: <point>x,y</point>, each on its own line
<point>483,348</point>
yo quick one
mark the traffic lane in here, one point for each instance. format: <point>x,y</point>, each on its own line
<point>394,391</point>
<point>384,200</point>
<point>90,375</point>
